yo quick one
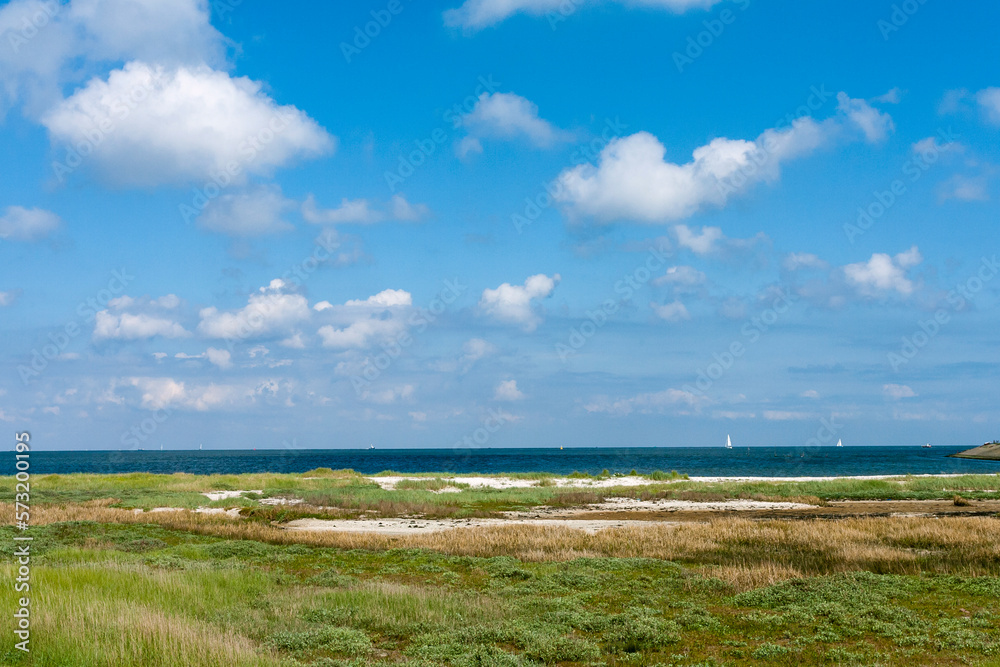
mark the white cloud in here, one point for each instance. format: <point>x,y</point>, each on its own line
<point>876,125</point>
<point>671,312</point>
<point>361,334</point>
<point>700,244</point>
<point>883,274</point>
<point>271,310</point>
<point>479,14</point>
<point>507,391</point>
<point>389,298</point>
<point>681,278</point>
<point>786,415</point>
<point>254,212</point>
<point>127,326</point>
<point>27,224</point>
<point>898,391</point>
<point>810,393</point>
<point>363,323</point>
<point>77,36</point>
<point>892,96</point>
<point>192,123</point>
<point>512,303</point>
<point>669,400</point>
<point>390,395</point>
<point>507,116</point>
<point>964,188</point>
<point>475,349</point>
<point>7,298</point>
<point>988,100</point>
<point>633,180</point>
<point>803,260</point>
<point>361,211</point>
<point>157,393</point>
<point>221,358</point>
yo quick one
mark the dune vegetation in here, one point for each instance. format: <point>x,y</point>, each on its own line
<point>112,586</point>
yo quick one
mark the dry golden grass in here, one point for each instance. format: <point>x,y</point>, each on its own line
<point>738,550</point>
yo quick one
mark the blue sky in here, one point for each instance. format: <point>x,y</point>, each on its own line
<point>529,223</point>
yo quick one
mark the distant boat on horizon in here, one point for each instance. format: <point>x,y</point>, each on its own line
<point>729,442</point>
<point>927,446</point>
<point>372,446</point>
<point>840,443</point>
<point>200,446</point>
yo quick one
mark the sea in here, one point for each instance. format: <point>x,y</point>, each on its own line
<point>694,461</point>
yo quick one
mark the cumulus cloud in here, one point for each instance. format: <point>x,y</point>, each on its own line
<point>127,326</point>
<point>681,278</point>
<point>79,36</point>
<point>157,393</point>
<point>667,401</point>
<point>255,212</point>
<point>797,261</point>
<point>507,116</point>
<point>513,303</point>
<point>478,14</point>
<point>671,312</point>
<point>475,349</point>
<point>964,188</point>
<point>699,243</point>
<point>988,100</point>
<point>271,310</point>
<point>362,211</point>
<point>633,180</point>
<point>7,298</point>
<point>190,124</point>
<point>883,274</point>
<point>221,358</point>
<point>507,391</point>
<point>361,323</point>
<point>386,299</point>
<point>898,391</point>
<point>389,395</point>
<point>27,224</point>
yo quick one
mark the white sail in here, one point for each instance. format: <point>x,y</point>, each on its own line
<point>840,443</point>
<point>729,442</point>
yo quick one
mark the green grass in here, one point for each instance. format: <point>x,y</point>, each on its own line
<point>106,594</point>
<point>353,494</point>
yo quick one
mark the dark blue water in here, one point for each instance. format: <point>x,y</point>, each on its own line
<point>695,461</point>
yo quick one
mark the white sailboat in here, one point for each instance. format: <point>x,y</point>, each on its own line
<point>729,442</point>
<point>840,443</point>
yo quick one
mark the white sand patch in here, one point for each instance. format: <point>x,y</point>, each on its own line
<point>416,526</point>
<point>626,504</point>
<point>500,482</point>
<point>226,495</point>
<point>280,501</point>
